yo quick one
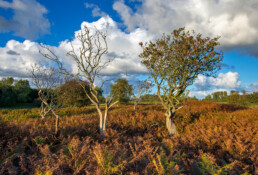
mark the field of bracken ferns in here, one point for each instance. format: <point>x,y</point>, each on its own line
<point>213,139</point>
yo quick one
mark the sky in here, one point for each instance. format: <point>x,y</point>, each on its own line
<point>24,24</point>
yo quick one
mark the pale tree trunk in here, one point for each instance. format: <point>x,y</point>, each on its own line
<point>54,113</point>
<point>105,121</point>
<point>169,122</point>
<point>57,122</point>
<point>102,126</point>
<point>135,104</point>
<point>43,111</point>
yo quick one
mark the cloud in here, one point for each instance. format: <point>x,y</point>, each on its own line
<point>202,94</point>
<point>234,20</point>
<point>95,10</point>
<point>28,19</point>
<point>123,47</point>
<point>11,52</point>
<point>227,80</point>
<point>17,57</point>
<point>226,66</point>
<point>253,87</point>
<point>201,82</point>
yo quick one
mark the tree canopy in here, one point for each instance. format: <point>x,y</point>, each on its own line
<point>72,94</point>
<point>175,60</point>
<point>15,91</point>
<point>122,90</point>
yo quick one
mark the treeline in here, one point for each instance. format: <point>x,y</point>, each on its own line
<point>16,91</point>
<point>13,92</point>
<point>68,94</point>
<point>234,97</point>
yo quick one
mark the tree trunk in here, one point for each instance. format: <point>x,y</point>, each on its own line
<point>170,124</point>
<point>101,131</point>
<point>57,125</point>
<point>101,123</point>
<point>136,103</point>
<point>57,122</point>
<point>42,111</point>
<point>105,121</point>
<point>134,107</point>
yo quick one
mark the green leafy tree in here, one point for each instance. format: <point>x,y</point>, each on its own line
<point>72,94</point>
<point>122,90</point>
<point>7,92</point>
<point>234,97</point>
<point>150,98</point>
<point>174,61</point>
<point>7,95</point>
<point>23,91</point>
<point>208,97</point>
<point>220,96</point>
<point>7,81</point>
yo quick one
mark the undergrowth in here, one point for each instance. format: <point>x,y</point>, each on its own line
<point>213,139</point>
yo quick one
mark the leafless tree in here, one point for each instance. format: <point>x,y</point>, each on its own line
<point>46,80</point>
<point>89,59</point>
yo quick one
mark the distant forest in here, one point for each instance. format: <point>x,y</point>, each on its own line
<point>14,92</point>
<point>234,98</point>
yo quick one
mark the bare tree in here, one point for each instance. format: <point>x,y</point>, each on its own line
<point>174,61</point>
<point>141,88</point>
<point>90,63</point>
<point>46,80</point>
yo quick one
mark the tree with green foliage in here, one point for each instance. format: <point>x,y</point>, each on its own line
<point>15,91</point>
<point>220,96</point>
<point>7,81</point>
<point>122,90</point>
<point>71,94</point>
<point>7,92</point>
<point>150,98</point>
<point>23,91</point>
<point>7,95</point>
<point>174,61</point>
<point>208,97</point>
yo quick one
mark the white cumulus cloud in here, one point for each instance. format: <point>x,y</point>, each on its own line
<point>17,57</point>
<point>28,20</point>
<point>234,20</point>
<point>227,80</point>
<point>223,80</point>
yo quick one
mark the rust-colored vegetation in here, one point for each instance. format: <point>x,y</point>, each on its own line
<point>213,139</point>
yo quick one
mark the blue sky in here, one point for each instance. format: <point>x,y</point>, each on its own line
<point>26,23</point>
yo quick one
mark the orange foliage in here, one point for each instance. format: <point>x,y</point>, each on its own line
<point>211,137</point>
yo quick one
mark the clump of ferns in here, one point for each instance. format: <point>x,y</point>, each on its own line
<point>165,165</point>
<point>76,151</point>
<point>107,162</point>
<point>208,166</point>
